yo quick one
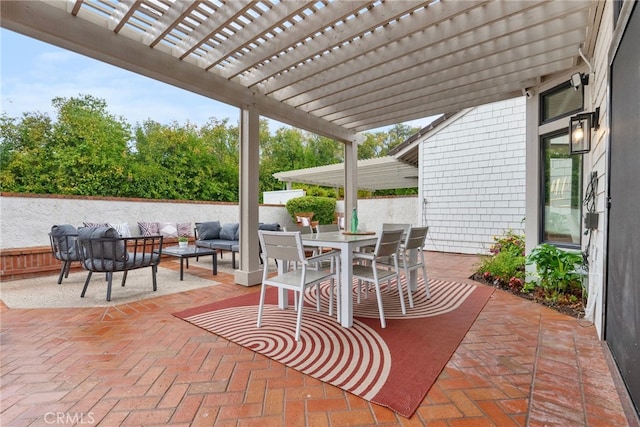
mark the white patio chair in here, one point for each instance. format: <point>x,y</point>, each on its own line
<point>286,247</point>
<point>327,228</point>
<point>385,249</point>
<point>414,241</point>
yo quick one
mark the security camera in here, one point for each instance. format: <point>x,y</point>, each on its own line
<point>579,79</point>
<point>576,81</point>
<point>528,93</point>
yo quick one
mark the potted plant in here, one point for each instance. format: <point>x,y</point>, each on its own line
<point>183,241</point>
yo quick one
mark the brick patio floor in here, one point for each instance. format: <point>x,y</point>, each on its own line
<point>136,364</point>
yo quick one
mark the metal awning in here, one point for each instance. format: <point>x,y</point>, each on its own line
<point>381,173</point>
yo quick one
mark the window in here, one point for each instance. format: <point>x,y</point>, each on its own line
<point>561,191</point>
<point>560,101</point>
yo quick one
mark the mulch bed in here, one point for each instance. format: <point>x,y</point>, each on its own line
<point>575,309</point>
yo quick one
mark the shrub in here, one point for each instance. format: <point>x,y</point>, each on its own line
<point>323,207</point>
<point>556,270</point>
<point>505,265</point>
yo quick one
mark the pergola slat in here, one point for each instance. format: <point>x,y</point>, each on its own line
<point>332,67</point>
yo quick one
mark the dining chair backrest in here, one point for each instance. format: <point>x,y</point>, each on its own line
<point>281,245</point>
<point>416,238</point>
<point>326,228</point>
<point>388,243</point>
<point>397,226</point>
<point>303,229</point>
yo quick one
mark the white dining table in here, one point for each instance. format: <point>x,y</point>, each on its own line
<point>346,244</point>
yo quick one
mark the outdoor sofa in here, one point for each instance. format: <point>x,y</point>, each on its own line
<point>224,237</point>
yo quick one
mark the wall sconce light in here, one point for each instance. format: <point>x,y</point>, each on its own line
<point>580,127</point>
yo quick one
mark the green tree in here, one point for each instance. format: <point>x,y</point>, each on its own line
<point>184,162</point>
<point>83,152</point>
<point>223,160</point>
<point>87,151</point>
<point>283,151</point>
<point>25,155</point>
<point>89,148</point>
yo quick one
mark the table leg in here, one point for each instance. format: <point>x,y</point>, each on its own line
<point>346,297</point>
<point>181,266</point>
<point>215,264</point>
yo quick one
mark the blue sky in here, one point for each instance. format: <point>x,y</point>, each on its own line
<point>32,73</point>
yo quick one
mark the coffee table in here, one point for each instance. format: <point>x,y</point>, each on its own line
<point>191,252</point>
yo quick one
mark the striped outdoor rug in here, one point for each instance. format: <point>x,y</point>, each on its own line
<point>392,367</point>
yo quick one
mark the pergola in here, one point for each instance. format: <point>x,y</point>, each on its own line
<point>335,68</point>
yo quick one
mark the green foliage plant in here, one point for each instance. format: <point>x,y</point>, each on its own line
<point>322,207</point>
<point>556,271</point>
<point>85,150</point>
<point>506,263</point>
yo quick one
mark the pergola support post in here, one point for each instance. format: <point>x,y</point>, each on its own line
<point>249,272</point>
<point>350,181</point>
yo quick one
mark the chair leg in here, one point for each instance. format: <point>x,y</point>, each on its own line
<point>406,277</point>
<point>336,284</point>
<point>86,283</point>
<point>299,316</point>
<point>62,270</point>
<point>66,273</point>
<point>426,281</point>
<point>109,279</point>
<point>317,296</point>
<point>124,278</point>
<point>154,270</point>
<point>261,306</point>
<point>331,283</point>
<point>402,305</point>
<point>383,322</point>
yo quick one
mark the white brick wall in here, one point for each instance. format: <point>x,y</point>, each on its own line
<point>473,177</point>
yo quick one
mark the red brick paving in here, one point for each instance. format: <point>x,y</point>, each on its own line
<point>136,364</point>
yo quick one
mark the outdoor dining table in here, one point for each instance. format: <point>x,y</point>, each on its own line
<point>346,243</point>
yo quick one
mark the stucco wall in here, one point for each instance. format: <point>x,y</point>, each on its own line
<point>473,177</point>
<point>25,221</point>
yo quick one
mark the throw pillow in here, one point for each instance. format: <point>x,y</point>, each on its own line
<point>269,227</point>
<point>107,249</point>
<point>148,228</point>
<point>184,229</point>
<point>208,230</point>
<point>168,229</point>
<point>122,229</point>
<point>95,224</point>
<point>228,231</point>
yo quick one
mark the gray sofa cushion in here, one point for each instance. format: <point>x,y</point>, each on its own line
<point>140,261</point>
<point>225,245</point>
<point>114,250</point>
<point>208,230</point>
<point>228,231</point>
